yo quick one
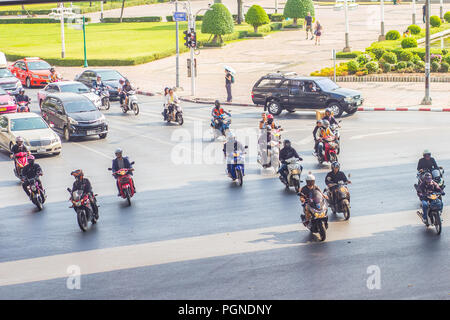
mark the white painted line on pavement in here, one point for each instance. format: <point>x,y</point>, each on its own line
<point>104,155</point>
<point>200,247</point>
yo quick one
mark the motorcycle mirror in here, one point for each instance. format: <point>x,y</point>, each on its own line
<point>349,175</point>
<point>110,169</point>
<point>132,163</point>
<point>441,168</point>
<point>68,189</point>
<point>246,147</point>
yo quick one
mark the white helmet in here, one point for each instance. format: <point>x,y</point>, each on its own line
<point>19,139</point>
<point>310,177</point>
<point>118,150</point>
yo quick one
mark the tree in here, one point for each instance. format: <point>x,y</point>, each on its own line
<point>218,22</point>
<point>256,16</point>
<point>296,9</point>
<point>121,11</point>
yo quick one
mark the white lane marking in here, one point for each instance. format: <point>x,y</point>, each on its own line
<point>200,247</point>
<point>361,136</point>
<point>308,139</point>
<point>104,155</point>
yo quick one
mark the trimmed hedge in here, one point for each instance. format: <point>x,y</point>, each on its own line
<point>389,57</point>
<point>447,16</point>
<point>352,66</point>
<point>133,19</point>
<point>393,35</point>
<point>435,21</point>
<point>405,55</point>
<point>276,17</point>
<point>347,55</point>
<point>435,66</point>
<point>35,20</point>
<point>415,29</point>
<point>409,43</point>
<point>197,18</point>
<point>255,35</point>
<point>444,67</point>
<point>24,13</point>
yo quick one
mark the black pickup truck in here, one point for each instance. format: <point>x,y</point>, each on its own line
<point>279,91</point>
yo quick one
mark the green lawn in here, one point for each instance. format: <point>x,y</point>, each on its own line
<point>107,44</point>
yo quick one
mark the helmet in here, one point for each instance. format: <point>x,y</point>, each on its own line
<point>19,139</point>
<point>217,103</point>
<point>30,159</point>
<point>310,179</point>
<point>269,116</point>
<point>326,123</point>
<point>118,150</point>
<point>427,177</point>
<point>426,152</point>
<point>319,122</point>
<point>121,81</point>
<point>21,90</point>
<point>287,143</point>
<point>52,69</point>
<point>327,110</point>
<point>99,76</point>
<point>78,174</point>
<point>335,164</point>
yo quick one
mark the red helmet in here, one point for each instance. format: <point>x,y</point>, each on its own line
<point>270,116</point>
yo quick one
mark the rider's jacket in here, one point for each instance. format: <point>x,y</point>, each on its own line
<point>335,177</point>
<point>22,98</point>
<point>83,184</point>
<point>217,112</point>
<point>425,188</point>
<point>325,133</point>
<point>31,171</point>
<point>288,152</point>
<point>330,119</point>
<point>427,164</point>
<point>16,149</point>
<point>308,193</point>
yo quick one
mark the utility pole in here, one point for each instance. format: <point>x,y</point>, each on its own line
<point>347,45</point>
<point>101,11</point>
<point>441,10</point>
<point>276,6</point>
<point>63,46</point>
<point>84,41</point>
<point>427,99</point>
<point>381,36</point>
<point>178,49</point>
<point>414,12</point>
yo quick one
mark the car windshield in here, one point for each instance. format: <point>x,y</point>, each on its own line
<point>108,75</point>
<point>34,123</point>
<point>327,84</point>
<point>75,88</point>
<point>5,73</point>
<point>38,65</point>
<point>76,106</point>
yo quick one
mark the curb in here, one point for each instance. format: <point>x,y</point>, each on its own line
<point>404,109</point>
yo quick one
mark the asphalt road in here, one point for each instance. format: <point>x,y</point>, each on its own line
<point>191,233</point>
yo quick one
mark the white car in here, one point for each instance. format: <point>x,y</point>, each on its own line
<point>69,86</point>
<point>37,135</point>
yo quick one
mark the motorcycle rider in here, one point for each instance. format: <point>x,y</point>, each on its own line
<point>231,146</point>
<point>18,147</point>
<point>121,162</point>
<point>31,171</point>
<point>286,153</point>
<point>307,194</point>
<point>333,177</point>
<point>98,83</point>
<point>166,93</point>
<point>54,76</point>
<point>324,134</point>
<point>426,187</point>
<point>427,162</point>
<point>170,99</point>
<point>217,112</point>
<point>22,97</point>
<point>329,117</point>
<point>83,184</point>
<point>124,88</point>
<point>316,135</point>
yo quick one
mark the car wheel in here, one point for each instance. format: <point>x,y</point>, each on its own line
<point>336,108</point>
<point>57,153</point>
<point>274,107</point>
<point>66,134</point>
<point>103,135</point>
<point>28,83</point>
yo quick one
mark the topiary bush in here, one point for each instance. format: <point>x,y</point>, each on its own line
<point>447,58</point>
<point>415,58</point>
<point>378,52</point>
<point>362,59</point>
<point>256,16</point>
<point>447,16</point>
<point>409,43</point>
<point>419,66</point>
<point>298,9</point>
<point>393,35</point>
<point>372,67</point>
<point>218,22</point>
<point>435,66</point>
<point>276,17</point>
<point>415,29</point>
<point>435,21</point>
<point>389,57</point>
<point>401,65</point>
<point>405,55</point>
<point>386,67</point>
<point>352,66</point>
<point>436,57</point>
<point>444,67</point>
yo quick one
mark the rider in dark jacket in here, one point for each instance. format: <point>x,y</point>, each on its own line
<point>18,147</point>
<point>286,153</point>
<point>82,183</point>
<point>427,162</point>
<point>425,188</point>
<point>22,97</point>
<point>329,117</point>
<point>333,177</point>
<point>121,162</point>
<point>31,171</point>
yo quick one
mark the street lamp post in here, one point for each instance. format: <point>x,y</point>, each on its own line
<point>414,12</point>
<point>63,46</point>
<point>441,9</point>
<point>84,42</point>
<point>276,6</point>
<point>381,37</point>
<point>101,11</point>
<point>427,99</point>
<point>347,46</point>
<point>178,49</point>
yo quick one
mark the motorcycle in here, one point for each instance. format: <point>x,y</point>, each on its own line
<point>126,184</point>
<point>339,198</point>
<point>329,154</point>
<point>294,172</point>
<point>434,211</point>
<point>86,211</point>
<point>20,161</point>
<point>23,106</point>
<point>437,174</point>
<point>220,125</point>
<point>269,152</point>
<point>237,167</point>
<point>37,195</point>
<point>104,96</point>
<point>335,129</point>
<point>132,104</point>
<point>175,114</point>
<point>318,223</point>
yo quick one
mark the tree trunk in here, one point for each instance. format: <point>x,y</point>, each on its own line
<point>121,11</point>
<point>255,28</point>
<point>239,13</point>
<point>295,22</point>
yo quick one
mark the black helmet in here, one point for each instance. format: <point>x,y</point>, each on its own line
<point>217,103</point>
<point>335,164</point>
<point>287,143</point>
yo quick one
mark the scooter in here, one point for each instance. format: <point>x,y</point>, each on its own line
<point>126,184</point>
<point>329,154</point>
<point>294,172</point>
<point>269,152</point>
<point>20,161</point>
<point>339,198</point>
<point>236,171</point>
<point>37,195</point>
<point>318,223</point>
<point>434,215</point>
<point>220,125</point>
<point>86,211</point>
<point>104,96</point>
<point>175,114</point>
<point>132,104</point>
<point>23,106</point>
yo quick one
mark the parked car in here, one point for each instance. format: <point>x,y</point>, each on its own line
<point>37,135</point>
<point>288,91</point>
<point>69,86</point>
<point>7,102</point>
<point>31,71</point>
<point>110,77</point>
<point>8,81</point>
<point>73,115</point>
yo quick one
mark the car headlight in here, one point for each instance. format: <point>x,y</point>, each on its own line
<point>35,76</point>
<point>72,121</point>
<point>348,99</point>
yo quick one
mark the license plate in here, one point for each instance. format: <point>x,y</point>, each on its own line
<point>2,109</point>
<point>41,150</point>
<point>91,132</point>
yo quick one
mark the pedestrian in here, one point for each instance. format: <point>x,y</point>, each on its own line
<point>318,31</point>
<point>308,25</point>
<point>228,81</point>
<point>424,12</point>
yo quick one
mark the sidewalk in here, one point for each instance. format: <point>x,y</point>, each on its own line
<point>286,51</point>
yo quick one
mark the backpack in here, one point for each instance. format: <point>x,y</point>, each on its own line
<point>232,79</point>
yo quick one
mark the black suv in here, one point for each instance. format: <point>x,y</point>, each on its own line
<point>73,115</point>
<point>110,77</point>
<point>278,91</point>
